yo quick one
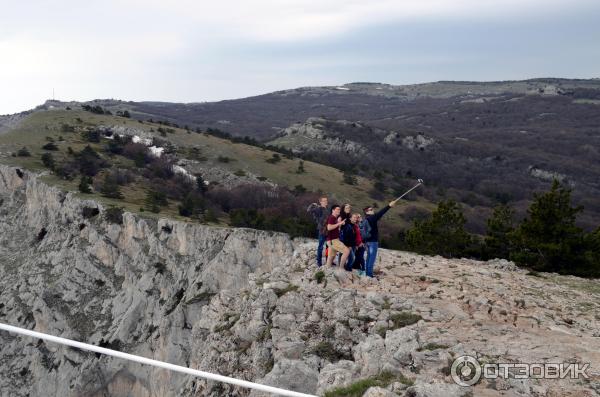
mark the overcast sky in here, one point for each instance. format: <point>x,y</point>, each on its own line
<point>192,51</point>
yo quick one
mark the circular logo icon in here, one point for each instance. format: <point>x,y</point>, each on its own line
<point>465,371</point>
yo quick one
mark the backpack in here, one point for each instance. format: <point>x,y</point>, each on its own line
<point>365,229</point>
<point>347,236</point>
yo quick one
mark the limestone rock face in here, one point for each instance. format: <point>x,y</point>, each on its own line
<point>249,304</point>
<point>312,135</point>
<point>292,375</point>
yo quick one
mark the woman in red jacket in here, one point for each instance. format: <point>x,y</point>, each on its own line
<point>353,240</point>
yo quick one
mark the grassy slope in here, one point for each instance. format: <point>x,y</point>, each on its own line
<point>33,130</point>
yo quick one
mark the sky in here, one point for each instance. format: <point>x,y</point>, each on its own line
<point>194,51</point>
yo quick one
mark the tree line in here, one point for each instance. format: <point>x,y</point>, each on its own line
<point>547,239</point>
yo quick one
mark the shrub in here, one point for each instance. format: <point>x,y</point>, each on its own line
<point>67,128</point>
<point>97,109</point>
<point>298,190</point>
<point>327,351</point>
<point>432,346</point>
<point>122,176</point>
<point>276,158</point>
<point>300,169</point>
<point>23,152</point>
<point>404,319</point>
<point>48,160</point>
<point>223,159</point>
<point>319,276</point>
<point>164,131</point>
<point>84,184</point>
<point>91,136</point>
<point>210,216</point>
<point>50,146</point>
<point>114,215</point>
<point>380,186</point>
<point>350,179</point>
<point>155,200</point>
<point>110,188</point>
<point>201,184</point>
<point>357,389</point>
<point>161,168</point>
<point>192,205</point>
<point>89,162</point>
<point>251,218</point>
<point>137,152</point>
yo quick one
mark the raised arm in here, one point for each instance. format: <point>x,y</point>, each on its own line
<point>335,226</point>
<point>381,212</point>
<point>312,209</point>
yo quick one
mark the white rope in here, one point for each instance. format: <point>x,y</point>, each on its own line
<point>155,363</point>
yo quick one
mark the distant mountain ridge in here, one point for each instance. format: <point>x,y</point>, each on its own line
<point>480,143</point>
<point>243,116</point>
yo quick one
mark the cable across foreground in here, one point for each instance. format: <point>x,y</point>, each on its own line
<point>155,363</point>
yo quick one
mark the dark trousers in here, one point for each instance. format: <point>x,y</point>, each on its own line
<point>320,248</point>
<point>359,262</point>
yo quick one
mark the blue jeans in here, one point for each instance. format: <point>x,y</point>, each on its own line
<point>371,257</point>
<point>322,239</point>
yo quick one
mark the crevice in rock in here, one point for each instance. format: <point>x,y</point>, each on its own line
<point>42,234</point>
<point>176,300</point>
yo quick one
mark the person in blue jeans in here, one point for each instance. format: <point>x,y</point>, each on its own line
<point>320,213</point>
<point>372,240</point>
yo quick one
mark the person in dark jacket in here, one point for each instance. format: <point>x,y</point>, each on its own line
<point>320,213</point>
<point>372,241</point>
<point>359,262</point>
<point>352,239</point>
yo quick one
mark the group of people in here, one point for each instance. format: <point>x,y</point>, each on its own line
<point>347,235</point>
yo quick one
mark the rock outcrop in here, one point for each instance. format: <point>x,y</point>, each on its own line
<point>312,135</point>
<point>250,304</point>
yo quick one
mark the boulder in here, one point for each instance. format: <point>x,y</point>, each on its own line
<point>293,375</point>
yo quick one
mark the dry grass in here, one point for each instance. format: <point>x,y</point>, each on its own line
<point>34,130</point>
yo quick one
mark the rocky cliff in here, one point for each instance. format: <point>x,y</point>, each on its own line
<point>251,304</point>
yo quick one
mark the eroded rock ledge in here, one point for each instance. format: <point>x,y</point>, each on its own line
<point>251,304</point>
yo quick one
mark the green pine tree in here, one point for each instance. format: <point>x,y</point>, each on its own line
<point>155,200</point>
<point>84,184</point>
<point>499,229</point>
<point>110,188</point>
<point>548,238</point>
<point>592,254</point>
<point>192,205</point>
<point>442,234</point>
<point>48,160</point>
